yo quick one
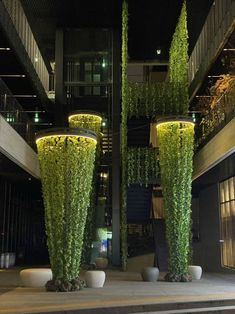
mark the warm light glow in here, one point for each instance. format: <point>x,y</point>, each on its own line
<point>84,114</point>
<point>5,48</point>
<point>64,135</point>
<point>188,123</point>
<point>12,75</point>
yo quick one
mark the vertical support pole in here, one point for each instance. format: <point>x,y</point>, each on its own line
<point>116,149</point>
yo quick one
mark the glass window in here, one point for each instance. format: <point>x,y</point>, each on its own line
<point>227,220</point>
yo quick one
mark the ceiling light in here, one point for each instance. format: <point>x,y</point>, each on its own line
<point>12,75</point>
<point>36,59</point>
<point>5,48</point>
<point>158,51</point>
<point>229,49</point>
<point>215,76</point>
<point>24,96</point>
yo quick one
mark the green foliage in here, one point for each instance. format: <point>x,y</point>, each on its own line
<point>124,134</point>
<point>86,121</point>
<point>154,99</point>
<point>178,63</point>
<point>176,152</point>
<point>142,165</point>
<point>91,122</point>
<point>66,164</point>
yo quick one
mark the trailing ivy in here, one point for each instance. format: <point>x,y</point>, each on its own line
<point>124,135</point>
<point>154,99</point>
<point>176,152</point>
<point>86,121</point>
<point>178,63</point>
<point>66,164</point>
<point>91,122</point>
<point>142,165</point>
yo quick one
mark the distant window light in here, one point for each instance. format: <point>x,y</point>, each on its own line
<point>36,117</point>
<point>194,117</point>
<point>158,51</point>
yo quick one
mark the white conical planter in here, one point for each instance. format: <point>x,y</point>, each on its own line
<point>195,271</point>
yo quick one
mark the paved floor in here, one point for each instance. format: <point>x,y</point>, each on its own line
<point>121,290</point>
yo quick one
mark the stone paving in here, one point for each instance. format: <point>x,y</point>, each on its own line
<point>121,289</point>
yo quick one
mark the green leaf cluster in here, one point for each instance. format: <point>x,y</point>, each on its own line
<point>66,164</point>
<point>176,152</point>
<point>154,99</point>
<point>142,165</point>
<point>86,121</point>
<point>93,123</point>
<point>178,63</point>
<point>124,134</point>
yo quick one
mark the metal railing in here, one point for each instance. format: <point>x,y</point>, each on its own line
<point>13,113</point>
<point>23,29</point>
<point>216,28</point>
<point>216,116</point>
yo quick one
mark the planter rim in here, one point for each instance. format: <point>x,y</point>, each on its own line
<point>183,119</point>
<point>85,112</point>
<point>78,132</point>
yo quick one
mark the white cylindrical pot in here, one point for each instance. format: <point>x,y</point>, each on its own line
<point>195,271</point>
<point>35,277</point>
<point>2,260</point>
<point>7,260</point>
<point>95,278</point>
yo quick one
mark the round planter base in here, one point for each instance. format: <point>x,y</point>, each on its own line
<point>150,274</point>
<point>95,278</point>
<point>195,271</point>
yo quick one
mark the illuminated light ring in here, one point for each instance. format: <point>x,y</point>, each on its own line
<point>73,132</point>
<point>84,113</point>
<point>175,119</point>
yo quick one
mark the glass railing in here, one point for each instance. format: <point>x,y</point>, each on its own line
<point>218,111</point>
<point>14,114</point>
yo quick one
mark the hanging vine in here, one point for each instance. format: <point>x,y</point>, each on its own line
<point>176,152</point>
<point>90,121</point>
<point>178,63</point>
<point>66,164</point>
<point>142,165</point>
<point>124,134</point>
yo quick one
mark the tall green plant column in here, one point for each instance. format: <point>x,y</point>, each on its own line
<point>124,135</point>
<point>66,164</point>
<point>91,121</point>
<point>176,152</point>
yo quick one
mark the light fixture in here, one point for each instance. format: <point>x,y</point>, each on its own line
<point>5,48</point>
<point>229,49</point>
<point>186,121</point>
<point>23,96</point>
<point>36,59</point>
<point>36,117</point>
<point>158,51</point>
<point>66,132</point>
<point>77,113</point>
<point>12,75</point>
<point>103,63</point>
